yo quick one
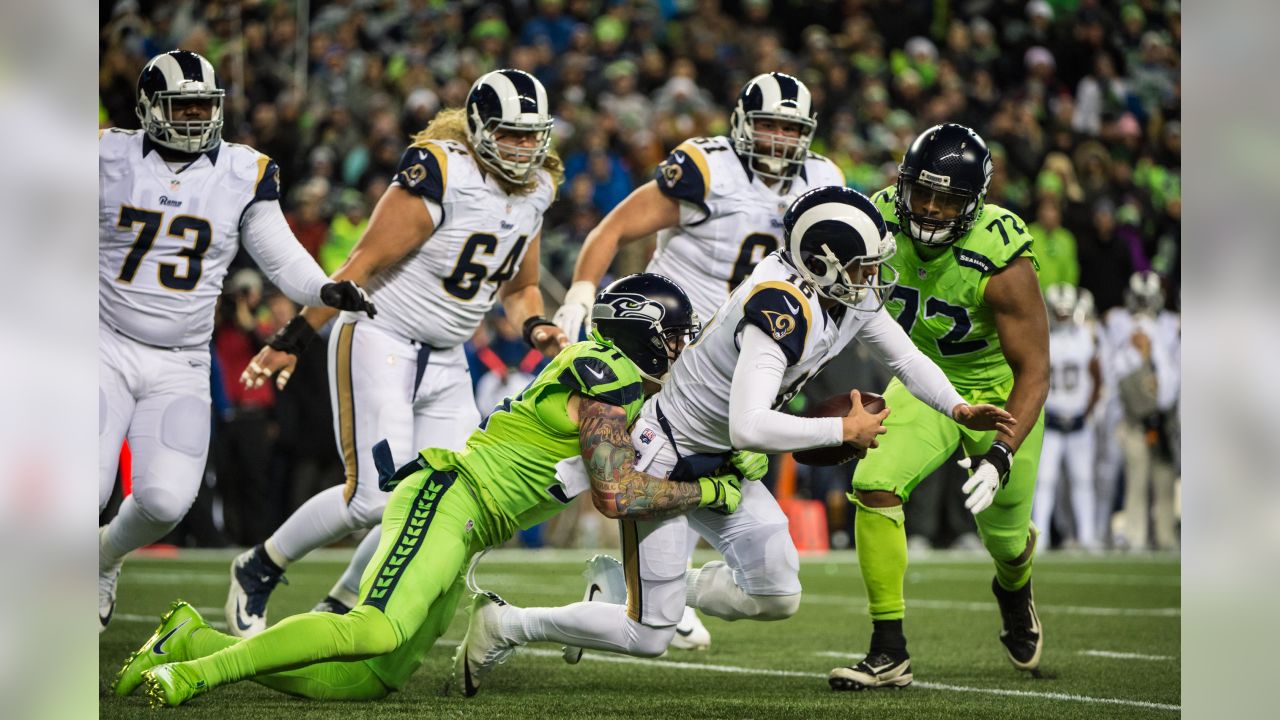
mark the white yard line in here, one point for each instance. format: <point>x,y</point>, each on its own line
<point>840,655</point>
<point>1065,697</point>
<point>1123,655</point>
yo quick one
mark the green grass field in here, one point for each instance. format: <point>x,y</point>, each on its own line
<point>1112,628</point>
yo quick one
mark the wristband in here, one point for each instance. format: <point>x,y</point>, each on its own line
<point>531,323</point>
<point>1001,458</point>
<point>294,337</point>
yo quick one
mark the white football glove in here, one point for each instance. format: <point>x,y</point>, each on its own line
<point>991,474</point>
<point>574,314</point>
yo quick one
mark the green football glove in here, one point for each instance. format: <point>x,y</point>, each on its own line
<point>752,465</point>
<point>721,493</point>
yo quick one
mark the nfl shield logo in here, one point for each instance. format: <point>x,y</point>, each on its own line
<point>646,436</point>
<point>921,273</point>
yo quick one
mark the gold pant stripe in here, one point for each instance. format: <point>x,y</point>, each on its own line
<point>347,411</point>
<point>631,566</point>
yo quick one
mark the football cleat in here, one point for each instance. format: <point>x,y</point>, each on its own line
<point>167,644</point>
<point>108,576</point>
<point>171,685</point>
<point>483,647</point>
<point>877,670</point>
<point>1022,636</point>
<point>691,634</point>
<point>253,577</point>
<point>605,583</point>
<point>331,604</point>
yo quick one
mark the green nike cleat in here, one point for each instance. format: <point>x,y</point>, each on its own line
<point>167,644</point>
<point>171,684</point>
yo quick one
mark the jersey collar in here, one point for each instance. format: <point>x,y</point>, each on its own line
<point>148,145</point>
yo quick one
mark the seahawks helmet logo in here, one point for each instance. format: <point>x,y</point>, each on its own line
<point>627,306</point>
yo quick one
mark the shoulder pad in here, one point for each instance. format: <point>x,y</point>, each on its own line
<point>424,171</point>
<point>782,311</point>
<point>601,372</point>
<point>685,175</point>
<point>267,184</point>
<point>997,239</point>
<point>823,171</point>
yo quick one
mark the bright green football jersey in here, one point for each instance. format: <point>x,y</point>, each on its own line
<point>511,459</point>
<point>939,302</point>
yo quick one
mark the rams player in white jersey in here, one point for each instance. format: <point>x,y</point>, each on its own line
<point>793,314</point>
<point>1075,384</point>
<point>459,228</point>
<point>174,204</point>
<point>717,205</point>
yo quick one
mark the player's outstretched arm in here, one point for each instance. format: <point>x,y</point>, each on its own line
<point>400,224</point>
<point>522,301</point>
<point>620,491</point>
<point>644,212</point>
<point>1022,323</point>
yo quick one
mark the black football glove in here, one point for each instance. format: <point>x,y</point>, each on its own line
<point>347,295</point>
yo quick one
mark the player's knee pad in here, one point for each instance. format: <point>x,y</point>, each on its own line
<point>366,508</point>
<point>1005,545</point>
<point>776,607</point>
<point>184,426</point>
<point>369,632</point>
<point>161,505</point>
<point>771,565</point>
<point>648,641</point>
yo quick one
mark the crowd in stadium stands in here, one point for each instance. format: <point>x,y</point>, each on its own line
<point>1079,100</point>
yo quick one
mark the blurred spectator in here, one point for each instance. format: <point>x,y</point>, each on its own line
<point>1054,246</point>
<point>344,231</point>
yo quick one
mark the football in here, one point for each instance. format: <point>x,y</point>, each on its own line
<point>837,406</point>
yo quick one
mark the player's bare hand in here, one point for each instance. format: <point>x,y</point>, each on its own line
<point>549,340</point>
<point>266,363</point>
<point>983,418</point>
<point>861,427</point>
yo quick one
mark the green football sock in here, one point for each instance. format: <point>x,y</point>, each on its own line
<point>1013,577</point>
<point>322,681</point>
<point>882,554</point>
<point>299,641</point>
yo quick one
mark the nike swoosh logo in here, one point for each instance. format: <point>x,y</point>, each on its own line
<point>158,648</point>
<point>591,594</point>
<point>599,375</point>
<point>685,633</point>
<point>104,619</point>
<point>793,309</point>
<point>679,156</point>
<point>240,623</point>
<point>422,154</point>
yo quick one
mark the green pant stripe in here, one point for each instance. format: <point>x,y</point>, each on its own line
<point>410,540</point>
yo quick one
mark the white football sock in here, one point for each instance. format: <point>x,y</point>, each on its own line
<point>594,625</point>
<point>322,520</point>
<point>347,590</point>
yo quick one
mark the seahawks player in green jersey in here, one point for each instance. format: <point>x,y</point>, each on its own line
<point>456,503</point>
<point>969,298</point>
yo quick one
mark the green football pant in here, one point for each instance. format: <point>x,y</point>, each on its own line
<point>432,526</point>
<point>919,439</point>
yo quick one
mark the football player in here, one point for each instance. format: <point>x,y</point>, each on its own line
<point>969,298</point>
<point>1075,384</point>
<point>453,504</point>
<point>458,229</point>
<point>174,205</point>
<point>796,311</point>
<point>1145,350</point>
<point>717,205</point>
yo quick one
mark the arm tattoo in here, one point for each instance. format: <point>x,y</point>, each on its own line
<point>617,488</point>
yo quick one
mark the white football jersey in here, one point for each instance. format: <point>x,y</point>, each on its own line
<point>165,239</point>
<point>1071,348</point>
<point>438,293</point>
<point>729,218</point>
<point>695,397</point>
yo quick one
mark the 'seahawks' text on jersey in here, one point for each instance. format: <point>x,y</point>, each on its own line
<point>165,239</point>
<point>512,459</point>
<point>939,300</point>
<point>695,397</point>
<point>729,218</point>
<point>438,293</point>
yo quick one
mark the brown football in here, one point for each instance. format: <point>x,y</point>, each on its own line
<point>836,406</point>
